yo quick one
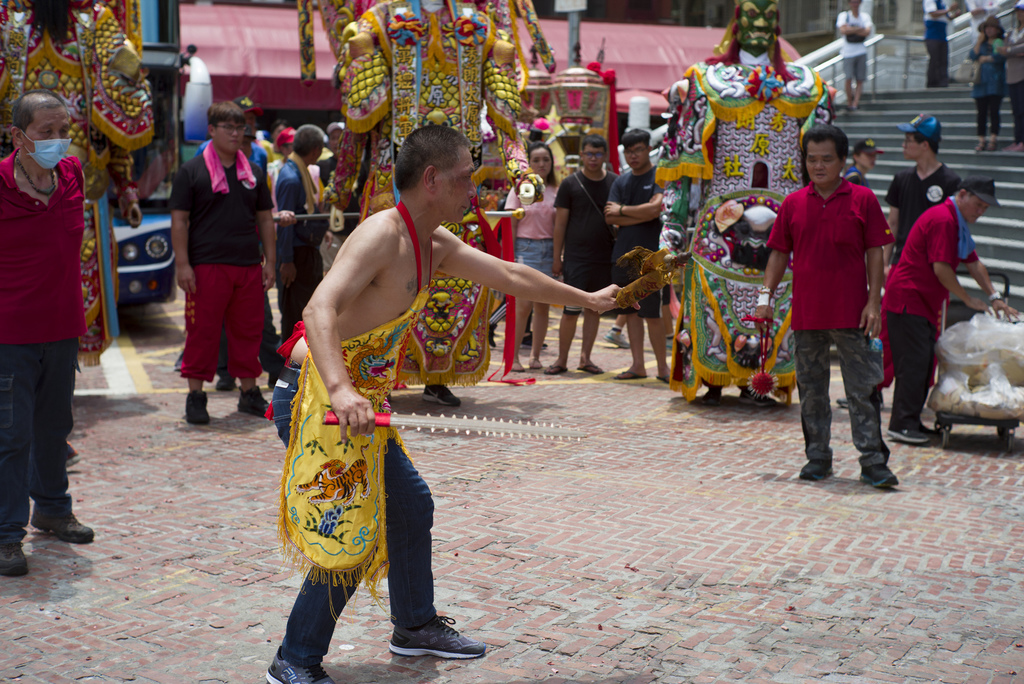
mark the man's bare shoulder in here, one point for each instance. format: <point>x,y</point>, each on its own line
<point>443,242</point>
<point>385,227</point>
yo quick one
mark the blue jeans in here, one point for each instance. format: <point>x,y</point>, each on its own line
<point>410,515</point>
<point>37,382</point>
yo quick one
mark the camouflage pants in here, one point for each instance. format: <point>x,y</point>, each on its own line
<point>862,371</point>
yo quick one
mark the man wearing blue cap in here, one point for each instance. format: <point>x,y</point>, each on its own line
<point>915,190</point>
<point>917,288</point>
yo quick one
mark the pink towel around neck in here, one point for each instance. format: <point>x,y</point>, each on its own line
<point>216,169</point>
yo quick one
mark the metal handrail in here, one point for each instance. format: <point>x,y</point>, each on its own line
<point>826,59</point>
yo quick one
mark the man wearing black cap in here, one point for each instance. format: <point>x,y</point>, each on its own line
<point>864,156</point>
<point>917,288</point>
<point>917,189</point>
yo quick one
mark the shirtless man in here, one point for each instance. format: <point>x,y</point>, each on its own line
<point>375,283</point>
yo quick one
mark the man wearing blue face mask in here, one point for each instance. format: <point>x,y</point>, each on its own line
<point>41,198</point>
<point>917,288</point>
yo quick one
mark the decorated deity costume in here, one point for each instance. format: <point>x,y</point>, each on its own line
<point>739,139</point>
<point>89,53</point>
<point>406,65</point>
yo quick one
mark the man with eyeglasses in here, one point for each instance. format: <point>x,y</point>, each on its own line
<point>583,245</point>
<point>634,205</point>
<point>216,200</point>
<point>257,155</point>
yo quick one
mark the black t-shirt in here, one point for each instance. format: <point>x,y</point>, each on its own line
<point>221,228</point>
<point>631,190</point>
<point>913,196</point>
<point>587,237</point>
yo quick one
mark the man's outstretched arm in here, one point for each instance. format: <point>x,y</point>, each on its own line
<point>518,280</point>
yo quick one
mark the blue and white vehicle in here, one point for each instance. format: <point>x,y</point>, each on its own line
<point>145,262</point>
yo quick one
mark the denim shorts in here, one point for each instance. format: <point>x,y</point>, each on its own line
<point>536,254</point>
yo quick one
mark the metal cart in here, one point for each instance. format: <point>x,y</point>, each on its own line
<point>944,422</point>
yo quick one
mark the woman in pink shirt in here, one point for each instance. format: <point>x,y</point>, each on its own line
<point>534,235</point>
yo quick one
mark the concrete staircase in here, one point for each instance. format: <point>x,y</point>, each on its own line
<point>999,234</point>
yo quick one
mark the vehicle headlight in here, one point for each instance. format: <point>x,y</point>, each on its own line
<point>157,246</point>
<point>135,287</point>
<point>129,251</point>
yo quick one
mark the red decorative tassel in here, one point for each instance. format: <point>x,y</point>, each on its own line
<point>762,384</point>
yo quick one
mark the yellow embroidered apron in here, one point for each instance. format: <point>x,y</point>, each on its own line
<point>332,517</point>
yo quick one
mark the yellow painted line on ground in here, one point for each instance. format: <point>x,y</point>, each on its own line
<point>160,353</point>
<point>143,385</point>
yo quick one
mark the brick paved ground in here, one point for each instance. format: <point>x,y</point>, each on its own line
<point>675,544</point>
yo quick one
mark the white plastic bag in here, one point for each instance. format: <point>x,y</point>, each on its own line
<point>972,346</point>
<point>994,399</point>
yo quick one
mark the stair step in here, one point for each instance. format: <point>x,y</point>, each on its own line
<point>895,117</point>
<point>1000,174</point>
<point>883,100</point>
<point>922,94</point>
<point>958,124</point>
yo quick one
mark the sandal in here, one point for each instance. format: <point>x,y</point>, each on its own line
<point>555,369</point>
<point>590,368</point>
<point>629,375</point>
<point>980,147</point>
<point>991,146</point>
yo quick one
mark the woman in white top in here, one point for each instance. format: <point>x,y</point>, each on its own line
<point>534,239</point>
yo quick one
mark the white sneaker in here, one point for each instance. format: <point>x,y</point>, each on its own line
<point>616,338</point>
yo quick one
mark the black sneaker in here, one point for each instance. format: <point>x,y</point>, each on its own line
<point>878,475</point>
<point>67,528</point>
<point>251,401</point>
<point>908,437</point>
<point>713,397</point>
<point>225,383</point>
<point>816,470</point>
<point>12,560</point>
<point>195,408</point>
<point>436,638</point>
<point>439,394</point>
<point>750,399</point>
<point>283,672</point>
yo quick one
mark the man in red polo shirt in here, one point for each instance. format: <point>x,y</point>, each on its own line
<point>917,288</point>
<point>833,228</point>
<point>41,198</point>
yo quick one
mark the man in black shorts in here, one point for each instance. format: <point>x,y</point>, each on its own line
<point>915,190</point>
<point>634,205</point>
<point>583,247</point>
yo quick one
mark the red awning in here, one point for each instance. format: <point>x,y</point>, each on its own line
<point>658,102</point>
<point>644,56</point>
<point>254,51</point>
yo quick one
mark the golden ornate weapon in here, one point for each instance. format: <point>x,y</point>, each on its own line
<point>652,270</point>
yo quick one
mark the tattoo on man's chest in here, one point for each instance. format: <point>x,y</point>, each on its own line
<point>411,286</point>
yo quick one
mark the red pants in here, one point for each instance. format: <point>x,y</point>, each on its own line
<point>230,297</point>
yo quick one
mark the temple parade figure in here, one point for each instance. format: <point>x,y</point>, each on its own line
<point>89,53</point>
<point>736,153</point>
<point>407,64</point>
